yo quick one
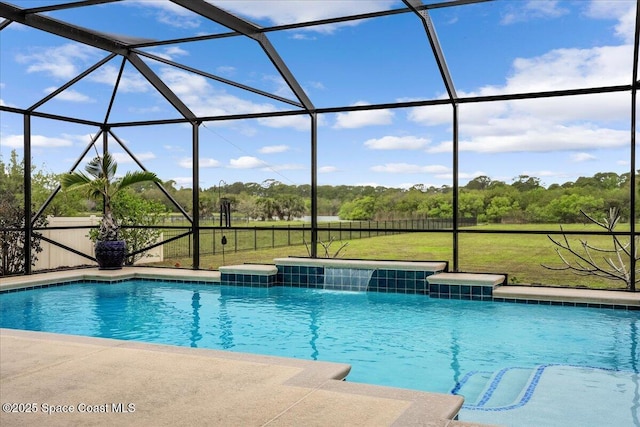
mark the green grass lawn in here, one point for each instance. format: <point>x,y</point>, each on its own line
<point>519,255</point>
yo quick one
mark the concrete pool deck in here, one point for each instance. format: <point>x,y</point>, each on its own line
<point>170,385</point>
<point>129,383</point>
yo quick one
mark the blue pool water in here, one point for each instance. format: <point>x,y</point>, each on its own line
<point>514,364</point>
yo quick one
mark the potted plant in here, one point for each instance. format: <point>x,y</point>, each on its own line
<point>101,185</point>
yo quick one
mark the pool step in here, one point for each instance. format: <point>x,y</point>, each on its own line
<point>472,386</point>
<point>505,387</point>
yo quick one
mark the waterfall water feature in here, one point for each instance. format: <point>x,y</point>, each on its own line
<point>347,279</point>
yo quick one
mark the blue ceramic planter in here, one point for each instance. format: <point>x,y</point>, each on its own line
<point>110,254</point>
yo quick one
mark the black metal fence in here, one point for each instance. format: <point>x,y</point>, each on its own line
<point>253,238</point>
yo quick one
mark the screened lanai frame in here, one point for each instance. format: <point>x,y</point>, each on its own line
<point>130,51</point>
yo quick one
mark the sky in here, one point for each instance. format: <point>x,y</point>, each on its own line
<point>501,47</point>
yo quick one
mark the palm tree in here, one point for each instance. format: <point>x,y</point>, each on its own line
<point>102,184</point>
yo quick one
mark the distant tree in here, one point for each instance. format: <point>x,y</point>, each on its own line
<point>361,209</point>
<point>497,185</point>
<point>444,209</point>
<point>248,207</point>
<point>269,187</point>
<point>479,183</point>
<point>602,181</point>
<point>567,208</point>
<point>409,201</point>
<point>63,204</point>
<point>538,213</point>
<point>501,207</point>
<point>12,219</point>
<point>266,208</point>
<point>288,206</point>
<point>470,204</point>
<point>325,206</point>
<point>437,206</point>
<point>526,183</point>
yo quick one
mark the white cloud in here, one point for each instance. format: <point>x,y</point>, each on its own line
<point>410,168</point>
<point>61,62</point>
<point>169,13</point>
<point>299,36</point>
<point>187,163</point>
<point>533,9</point>
<point>125,158</point>
<point>623,12</point>
<point>146,110</point>
<point>286,12</point>
<point>6,104</point>
<point>280,86</point>
<point>173,148</point>
<point>543,173</point>
<point>226,70</point>
<point>176,51</point>
<point>209,163</point>
<point>284,167</point>
<point>246,162</point>
<point>170,52</point>
<point>465,175</point>
<point>397,143</point>
<point>16,141</point>
<point>406,185</point>
<point>182,181</point>
<point>196,92</point>
<point>367,184</point>
<point>131,81</point>
<point>70,95</point>
<point>270,149</point>
<point>582,157</point>
<point>80,139</point>
<point>519,136</point>
<point>316,85</point>
<point>569,68</point>
<point>576,123</point>
<point>431,115</point>
<point>186,85</point>
<point>358,119</point>
<point>327,169</point>
<point>297,122</point>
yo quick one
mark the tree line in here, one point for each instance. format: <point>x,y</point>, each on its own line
<point>524,200</point>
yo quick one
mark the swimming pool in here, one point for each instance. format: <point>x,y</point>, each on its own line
<point>515,364</point>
